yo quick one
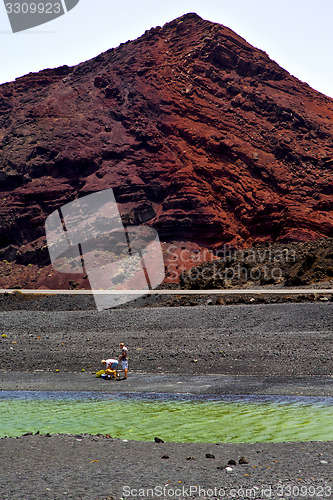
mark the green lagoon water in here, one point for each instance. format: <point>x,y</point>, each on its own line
<point>180,418</point>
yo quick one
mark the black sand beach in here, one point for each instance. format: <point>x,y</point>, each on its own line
<point>100,468</point>
<point>267,340</point>
<point>280,349</point>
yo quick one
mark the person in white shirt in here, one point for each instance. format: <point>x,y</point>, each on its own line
<point>111,365</point>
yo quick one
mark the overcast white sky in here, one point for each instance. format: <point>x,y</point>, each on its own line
<point>297,34</point>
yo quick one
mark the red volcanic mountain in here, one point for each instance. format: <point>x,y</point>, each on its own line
<point>200,135</point>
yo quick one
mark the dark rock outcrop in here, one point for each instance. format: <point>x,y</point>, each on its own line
<point>200,135</point>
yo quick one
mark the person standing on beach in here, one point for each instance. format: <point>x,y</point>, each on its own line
<point>124,359</point>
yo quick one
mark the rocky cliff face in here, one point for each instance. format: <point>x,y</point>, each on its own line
<point>199,134</point>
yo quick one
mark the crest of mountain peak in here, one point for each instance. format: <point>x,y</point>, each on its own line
<point>200,135</point>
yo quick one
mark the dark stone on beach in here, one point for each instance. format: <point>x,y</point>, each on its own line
<point>190,458</point>
<point>209,455</point>
<point>165,456</point>
<point>243,460</point>
<point>48,435</point>
<point>158,440</point>
<point>232,462</point>
<point>37,433</point>
<point>27,434</point>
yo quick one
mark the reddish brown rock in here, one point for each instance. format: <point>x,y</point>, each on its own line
<point>199,134</point>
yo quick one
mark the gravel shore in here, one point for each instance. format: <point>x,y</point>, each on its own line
<point>99,468</point>
<point>263,340</point>
<point>277,349</point>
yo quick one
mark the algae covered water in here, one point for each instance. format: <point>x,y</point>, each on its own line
<point>178,418</point>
